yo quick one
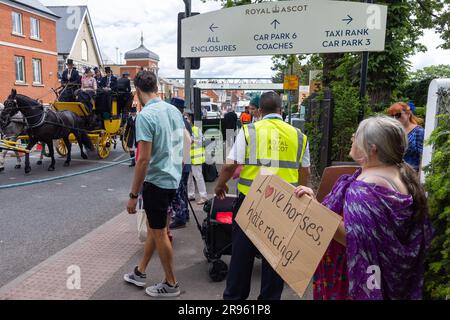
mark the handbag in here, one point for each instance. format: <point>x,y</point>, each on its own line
<point>141,225</point>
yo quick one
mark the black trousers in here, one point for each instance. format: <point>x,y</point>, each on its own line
<point>241,267</point>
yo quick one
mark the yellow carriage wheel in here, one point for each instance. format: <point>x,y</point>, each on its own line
<point>61,148</point>
<point>104,146</point>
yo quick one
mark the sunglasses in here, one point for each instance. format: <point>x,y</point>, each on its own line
<point>397,115</point>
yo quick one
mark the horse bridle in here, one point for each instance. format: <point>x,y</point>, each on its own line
<point>7,122</point>
<point>16,107</point>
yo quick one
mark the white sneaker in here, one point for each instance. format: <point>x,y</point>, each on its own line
<point>136,278</point>
<point>163,289</point>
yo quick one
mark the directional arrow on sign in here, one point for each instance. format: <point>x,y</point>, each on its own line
<point>349,19</point>
<point>257,29</point>
<point>212,27</point>
<point>275,23</point>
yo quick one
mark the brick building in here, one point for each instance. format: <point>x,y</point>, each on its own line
<point>212,94</point>
<point>136,60</point>
<point>139,58</point>
<point>29,58</point>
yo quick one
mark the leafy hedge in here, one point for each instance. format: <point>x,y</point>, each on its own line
<point>437,277</point>
<point>345,121</point>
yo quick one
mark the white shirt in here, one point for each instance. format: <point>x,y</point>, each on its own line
<point>237,152</point>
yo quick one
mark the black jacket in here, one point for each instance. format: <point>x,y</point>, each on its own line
<point>74,77</point>
<point>124,85</point>
<point>230,120</point>
<point>131,132</point>
<point>113,84</point>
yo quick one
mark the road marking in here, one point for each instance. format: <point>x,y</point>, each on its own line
<point>90,161</point>
<point>83,186</point>
<point>119,157</point>
<point>110,190</point>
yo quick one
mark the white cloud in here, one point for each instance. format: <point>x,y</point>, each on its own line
<point>433,56</point>
<point>119,23</point>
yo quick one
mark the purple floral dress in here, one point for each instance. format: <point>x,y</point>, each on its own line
<point>386,245</point>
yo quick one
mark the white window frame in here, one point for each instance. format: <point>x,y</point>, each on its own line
<point>18,15</point>
<point>37,76</point>
<point>16,64</point>
<point>37,23</point>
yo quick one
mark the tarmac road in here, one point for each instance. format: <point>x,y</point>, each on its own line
<point>39,220</point>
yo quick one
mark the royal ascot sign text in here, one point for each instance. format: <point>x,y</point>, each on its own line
<point>285,27</point>
<point>292,234</point>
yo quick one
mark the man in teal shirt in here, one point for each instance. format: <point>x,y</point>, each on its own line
<point>160,133</point>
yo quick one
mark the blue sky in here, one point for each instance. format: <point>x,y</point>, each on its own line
<point>119,23</point>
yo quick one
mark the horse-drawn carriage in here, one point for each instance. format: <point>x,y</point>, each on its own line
<point>112,125</point>
<point>65,123</point>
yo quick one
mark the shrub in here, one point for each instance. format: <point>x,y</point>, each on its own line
<point>421,112</point>
<point>345,121</point>
<point>437,276</point>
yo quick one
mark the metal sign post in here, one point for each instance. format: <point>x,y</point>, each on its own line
<point>363,83</point>
<point>187,66</point>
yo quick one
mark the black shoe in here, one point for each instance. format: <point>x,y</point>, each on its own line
<point>177,225</point>
<point>133,164</point>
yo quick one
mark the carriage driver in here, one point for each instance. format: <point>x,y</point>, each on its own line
<point>70,81</point>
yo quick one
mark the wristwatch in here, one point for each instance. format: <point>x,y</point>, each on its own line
<point>133,196</point>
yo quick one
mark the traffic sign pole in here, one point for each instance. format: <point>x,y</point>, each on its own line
<point>187,67</point>
<point>291,72</point>
<point>363,81</point>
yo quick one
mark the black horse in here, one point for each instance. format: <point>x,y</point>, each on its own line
<point>45,126</point>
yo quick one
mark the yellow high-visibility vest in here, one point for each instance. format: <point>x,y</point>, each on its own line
<point>197,149</point>
<point>275,145</point>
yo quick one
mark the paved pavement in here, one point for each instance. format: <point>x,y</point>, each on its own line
<point>52,232</point>
<point>39,220</point>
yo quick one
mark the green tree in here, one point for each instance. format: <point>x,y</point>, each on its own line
<point>416,87</point>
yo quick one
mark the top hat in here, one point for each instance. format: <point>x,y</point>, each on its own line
<point>107,69</point>
<point>177,102</point>
<point>69,62</point>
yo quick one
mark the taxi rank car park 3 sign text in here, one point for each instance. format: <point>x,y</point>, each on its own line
<point>285,27</point>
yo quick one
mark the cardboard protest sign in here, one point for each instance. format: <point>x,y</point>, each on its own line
<point>291,233</point>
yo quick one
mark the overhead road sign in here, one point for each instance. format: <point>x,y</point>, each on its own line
<point>240,86</point>
<point>285,27</point>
